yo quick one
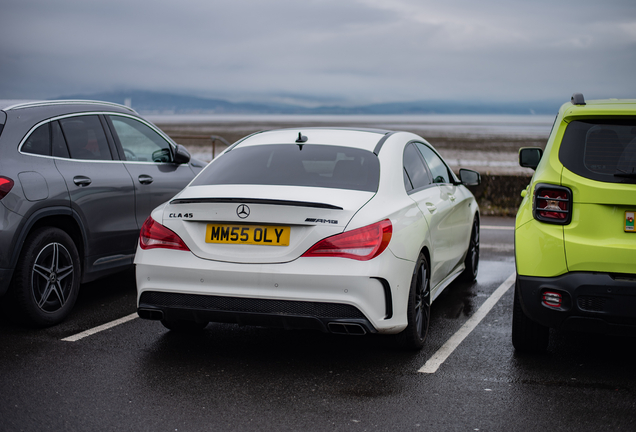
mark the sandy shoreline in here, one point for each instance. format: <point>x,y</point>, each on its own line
<point>461,145</point>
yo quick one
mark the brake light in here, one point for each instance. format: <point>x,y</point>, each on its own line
<point>6,184</point>
<point>361,244</point>
<point>553,204</point>
<point>153,235</point>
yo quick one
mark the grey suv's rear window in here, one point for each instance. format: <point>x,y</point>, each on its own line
<point>295,165</point>
<point>603,150</point>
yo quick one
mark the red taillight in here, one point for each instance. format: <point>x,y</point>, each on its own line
<point>360,244</point>
<point>553,204</point>
<point>154,235</point>
<point>6,184</point>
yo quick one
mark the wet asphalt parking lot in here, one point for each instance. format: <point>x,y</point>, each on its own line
<point>138,376</point>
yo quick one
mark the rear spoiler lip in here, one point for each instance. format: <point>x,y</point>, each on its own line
<point>254,201</point>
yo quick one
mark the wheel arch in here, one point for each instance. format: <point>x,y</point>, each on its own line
<point>427,255</point>
<point>476,216</point>
<point>59,217</point>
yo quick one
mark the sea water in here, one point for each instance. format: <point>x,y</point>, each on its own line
<point>473,125</point>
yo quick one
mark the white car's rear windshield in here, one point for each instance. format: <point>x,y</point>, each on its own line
<point>295,165</point>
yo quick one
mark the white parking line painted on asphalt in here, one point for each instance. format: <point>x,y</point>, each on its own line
<point>447,349</point>
<point>498,227</point>
<point>100,328</point>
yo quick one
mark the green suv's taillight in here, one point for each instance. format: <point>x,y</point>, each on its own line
<point>552,204</point>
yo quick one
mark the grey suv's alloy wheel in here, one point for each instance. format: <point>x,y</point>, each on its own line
<point>527,335</point>
<point>419,307</point>
<point>47,277</point>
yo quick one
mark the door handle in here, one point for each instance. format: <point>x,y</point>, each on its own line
<point>82,181</point>
<point>431,207</point>
<point>145,179</point>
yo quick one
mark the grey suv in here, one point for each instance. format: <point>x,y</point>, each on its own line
<point>77,181</point>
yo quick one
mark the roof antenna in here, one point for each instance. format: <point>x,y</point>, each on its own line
<point>300,140</point>
<point>578,99</point>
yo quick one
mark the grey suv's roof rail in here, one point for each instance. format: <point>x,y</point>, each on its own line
<point>67,102</point>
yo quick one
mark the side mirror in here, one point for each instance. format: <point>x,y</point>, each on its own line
<point>529,157</point>
<point>469,177</point>
<point>181,155</point>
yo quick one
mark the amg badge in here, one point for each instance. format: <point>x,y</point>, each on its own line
<point>326,221</point>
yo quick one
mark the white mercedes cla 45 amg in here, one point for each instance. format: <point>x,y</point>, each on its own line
<point>344,231</point>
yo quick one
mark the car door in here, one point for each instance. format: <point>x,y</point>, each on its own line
<point>455,220</point>
<point>100,188</point>
<point>149,158</point>
<point>434,206</point>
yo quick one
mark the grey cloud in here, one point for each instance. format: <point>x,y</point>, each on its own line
<point>366,50</point>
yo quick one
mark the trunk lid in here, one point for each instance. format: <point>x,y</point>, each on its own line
<point>598,238</point>
<point>248,224</point>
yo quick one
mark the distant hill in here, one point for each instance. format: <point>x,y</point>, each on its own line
<point>146,102</point>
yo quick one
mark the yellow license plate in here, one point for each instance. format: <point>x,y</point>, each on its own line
<point>266,235</point>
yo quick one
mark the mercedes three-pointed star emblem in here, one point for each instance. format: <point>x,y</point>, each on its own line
<point>242,211</point>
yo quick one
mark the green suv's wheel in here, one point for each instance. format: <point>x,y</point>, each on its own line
<point>527,335</point>
<point>47,278</point>
<point>472,255</point>
<point>419,307</point>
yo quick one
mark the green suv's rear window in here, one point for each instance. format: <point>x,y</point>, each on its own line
<point>601,149</point>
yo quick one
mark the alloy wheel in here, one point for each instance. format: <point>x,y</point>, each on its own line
<point>52,277</point>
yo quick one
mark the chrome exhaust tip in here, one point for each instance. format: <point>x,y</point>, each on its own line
<point>346,328</point>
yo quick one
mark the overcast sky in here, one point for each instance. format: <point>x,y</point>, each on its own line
<point>321,51</point>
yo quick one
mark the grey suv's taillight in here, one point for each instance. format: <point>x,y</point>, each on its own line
<point>552,204</point>
<point>6,184</point>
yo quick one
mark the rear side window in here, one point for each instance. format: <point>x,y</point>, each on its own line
<point>46,140</point>
<point>438,168</point>
<point>601,149</point>
<point>39,142</point>
<point>295,165</point>
<point>415,174</point>
<point>85,138</point>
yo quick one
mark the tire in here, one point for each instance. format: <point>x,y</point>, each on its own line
<point>47,278</point>
<point>183,326</point>
<point>527,335</point>
<point>471,262</point>
<point>418,308</point>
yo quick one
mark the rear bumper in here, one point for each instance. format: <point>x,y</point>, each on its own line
<point>329,294</point>
<point>591,302</point>
<point>326,317</point>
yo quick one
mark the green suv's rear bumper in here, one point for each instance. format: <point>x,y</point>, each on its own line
<point>591,302</point>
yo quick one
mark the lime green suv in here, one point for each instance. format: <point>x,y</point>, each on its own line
<point>575,243</point>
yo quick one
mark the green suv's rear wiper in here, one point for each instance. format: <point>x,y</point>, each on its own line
<point>621,173</point>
